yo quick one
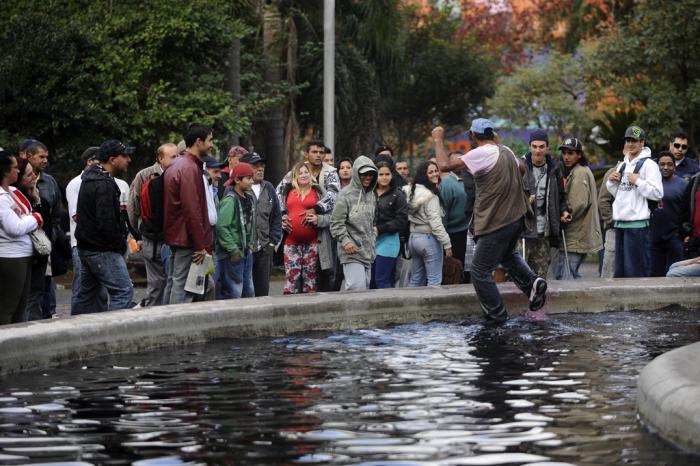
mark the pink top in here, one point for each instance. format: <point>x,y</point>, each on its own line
<point>481,160</point>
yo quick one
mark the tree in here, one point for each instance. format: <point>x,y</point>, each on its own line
<point>369,43</point>
<point>135,71</point>
<point>650,63</point>
<point>442,79</point>
<point>548,94</point>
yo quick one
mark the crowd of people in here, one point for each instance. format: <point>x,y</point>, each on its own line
<point>207,229</point>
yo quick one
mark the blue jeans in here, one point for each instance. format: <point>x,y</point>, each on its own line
<point>632,252</point>
<point>494,248</point>
<point>102,269</point>
<point>683,269</point>
<point>575,260</point>
<point>426,260</point>
<point>75,286</point>
<point>235,279</point>
<point>383,271</point>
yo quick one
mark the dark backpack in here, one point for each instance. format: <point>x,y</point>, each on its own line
<point>152,193</point>
<point>653,205</point>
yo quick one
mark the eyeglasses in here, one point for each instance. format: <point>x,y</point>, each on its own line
<point>680,146</point>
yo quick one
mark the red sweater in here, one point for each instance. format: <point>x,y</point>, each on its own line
<point>296,207</point>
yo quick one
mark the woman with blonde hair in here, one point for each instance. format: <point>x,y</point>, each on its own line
<point>299,221</point>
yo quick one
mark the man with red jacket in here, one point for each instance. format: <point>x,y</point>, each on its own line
<point>186,223</point>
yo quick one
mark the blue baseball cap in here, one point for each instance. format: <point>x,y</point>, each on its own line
<point>211,162</point>
<point>480,125</point>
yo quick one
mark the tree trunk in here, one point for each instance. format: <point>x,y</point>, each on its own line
<point>232,82</point>
<point>276,166</point>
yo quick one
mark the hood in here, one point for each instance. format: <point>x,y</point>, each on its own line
<point>360,162</point>
<point>645,153</point>
<point>420,196</point>
<point>95,173</point>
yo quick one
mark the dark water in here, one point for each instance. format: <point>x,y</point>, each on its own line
<point>556,392</point>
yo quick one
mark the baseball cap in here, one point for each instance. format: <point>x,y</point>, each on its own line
<point>26,143</point>
<point>480,125</point>
<point>237,151</point>
<point>571,144</point>
<point>90,153</point>
<point>211,162</point>
<point>538,135</point>
<point>114,148</point>
<point>635,132</point>
<point>242,169</point>
<point>252,158</point>
<point>367,169</point>
<point>382,148</point>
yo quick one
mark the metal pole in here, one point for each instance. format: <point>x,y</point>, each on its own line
<point>329,74</point>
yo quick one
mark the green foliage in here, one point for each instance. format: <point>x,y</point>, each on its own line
<point>77,72</point>
<point>611,127</point>
<point>397,73</point>
<point>441,80</point>
<point>547,94</point>
<point>651,64</point>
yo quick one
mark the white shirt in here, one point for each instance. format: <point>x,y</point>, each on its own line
<point>257,189</point>
<point>72,191</point>
<point>211,205</point>
<point>124,196</point>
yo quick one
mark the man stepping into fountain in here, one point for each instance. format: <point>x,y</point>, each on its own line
<point>499,217</point>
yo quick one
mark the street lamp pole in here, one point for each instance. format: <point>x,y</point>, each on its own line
<point>329,74</point>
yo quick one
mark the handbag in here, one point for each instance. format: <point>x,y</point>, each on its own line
<point>41,242</point>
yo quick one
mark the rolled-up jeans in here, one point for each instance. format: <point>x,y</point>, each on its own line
<point>494,248</point>
<point>102,269</point>
<point>426,260</point>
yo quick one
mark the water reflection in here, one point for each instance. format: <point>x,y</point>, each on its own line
<point>553,392</point>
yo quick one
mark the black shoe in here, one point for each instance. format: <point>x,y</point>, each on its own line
<point>538,294</point>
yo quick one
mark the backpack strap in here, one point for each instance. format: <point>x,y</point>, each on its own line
<point>638,165</point>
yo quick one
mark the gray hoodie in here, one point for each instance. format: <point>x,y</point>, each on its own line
<point>353,217</point>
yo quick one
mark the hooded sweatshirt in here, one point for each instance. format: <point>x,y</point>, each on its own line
<point>630,202</point>
<point>425,214</point>
<point>100,225</point>
<point>353,217</point>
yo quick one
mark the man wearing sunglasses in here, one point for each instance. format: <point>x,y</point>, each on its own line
<point>685,166</point>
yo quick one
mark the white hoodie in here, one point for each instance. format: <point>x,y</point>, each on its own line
<point>631,199</point>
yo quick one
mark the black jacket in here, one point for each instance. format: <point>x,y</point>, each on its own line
<point>555,203</point>
<point>392,212</point>
<point>100,224</point>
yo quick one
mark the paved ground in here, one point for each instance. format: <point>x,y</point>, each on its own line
<point>63,290</point>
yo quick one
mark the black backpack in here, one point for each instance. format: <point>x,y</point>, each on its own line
<point>653,205</point>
